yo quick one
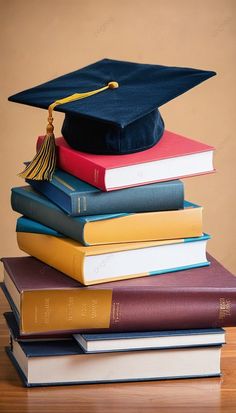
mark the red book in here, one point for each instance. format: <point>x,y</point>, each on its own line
<point>173,157</point>
<point>47,301</point>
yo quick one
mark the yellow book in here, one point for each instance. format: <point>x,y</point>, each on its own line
<point>148,226</point>
<point>97,264</point>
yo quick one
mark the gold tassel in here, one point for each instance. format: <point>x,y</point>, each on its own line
<point>43,165</point>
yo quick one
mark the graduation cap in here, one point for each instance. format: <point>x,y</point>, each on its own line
<point>111,107</point>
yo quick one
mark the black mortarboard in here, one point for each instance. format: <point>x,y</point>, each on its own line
<point>120,113</point>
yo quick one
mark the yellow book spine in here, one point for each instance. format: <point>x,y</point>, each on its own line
<point>64,310</point>
<point>57,252</point>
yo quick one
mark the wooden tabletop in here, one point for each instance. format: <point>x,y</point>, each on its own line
<point>214,395</point>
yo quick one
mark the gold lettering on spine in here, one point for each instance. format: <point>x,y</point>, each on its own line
<point>36,314</point>
<point>225,308</point>
<point>79,205</point>
<point>94,304</point>
<point>90,309</point>
<point>84,203</point>
<point>46,310</point>
<point>55,310</point>
<point>116,312</point>
<point>96,172</point>
<point>70,308</point>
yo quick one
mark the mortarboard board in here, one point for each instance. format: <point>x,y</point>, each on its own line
<point>120,113</point>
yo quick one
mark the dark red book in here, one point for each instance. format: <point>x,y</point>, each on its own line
<point>48,301</point>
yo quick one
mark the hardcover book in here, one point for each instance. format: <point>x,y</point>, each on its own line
<point>48,301</point>
<point>65,362</point>
<point>175,156</point>
<point>109,228</point>
<point>96,343</point>
<point>100,263</point>
<point>78,198</point>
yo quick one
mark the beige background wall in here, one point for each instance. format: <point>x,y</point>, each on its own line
<point>41,39</point>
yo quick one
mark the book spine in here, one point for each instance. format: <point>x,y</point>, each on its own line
<point>147,198</point>
<point>24,224</point>
<point>64,255</point>
<point>23,201</point>
<point>126,309</point>
<point>76,165</point>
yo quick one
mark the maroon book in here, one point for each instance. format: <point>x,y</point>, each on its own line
<point>197,298</point>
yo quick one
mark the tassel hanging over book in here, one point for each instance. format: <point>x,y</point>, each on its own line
<point>43,165</point>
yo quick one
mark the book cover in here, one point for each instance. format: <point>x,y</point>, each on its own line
<point>78,198</point>
<point>109,228</point>
<point>111,172</point>
<point>190,299</point>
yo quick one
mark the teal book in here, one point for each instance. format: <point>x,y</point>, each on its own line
<point>109,228</point>
<point>78,198</point>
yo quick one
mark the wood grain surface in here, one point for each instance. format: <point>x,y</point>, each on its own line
<point>214,395</point>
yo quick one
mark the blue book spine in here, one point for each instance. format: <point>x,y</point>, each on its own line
<point>36,207</point>
<point>78,198</point>
<point>24,224</point>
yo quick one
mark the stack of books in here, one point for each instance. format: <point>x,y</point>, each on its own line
<point>118,285</point>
